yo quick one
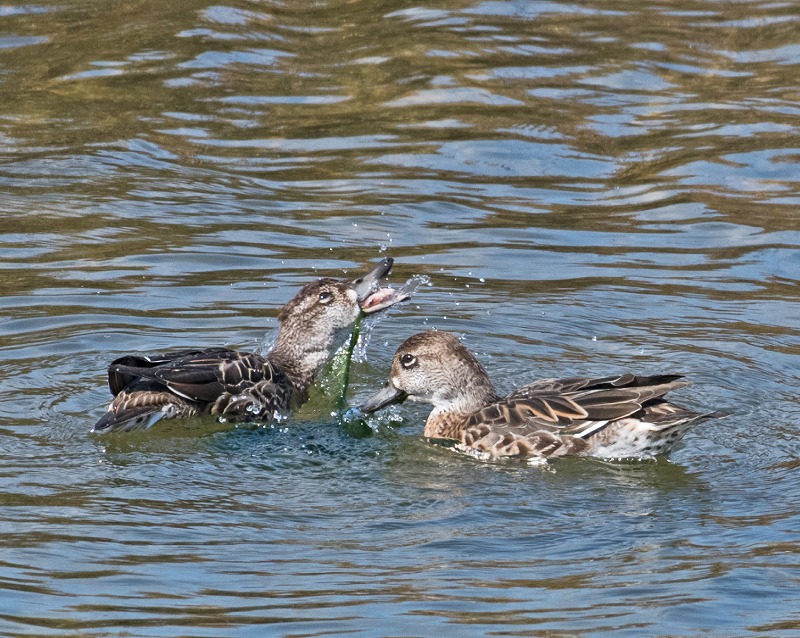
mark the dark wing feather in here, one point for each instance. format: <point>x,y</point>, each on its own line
<point>575,406</point>
<point>206,377</point>
<point>125,370</point>
<point>549,387</point>
<point>198,375</point>
<point>125,419</point>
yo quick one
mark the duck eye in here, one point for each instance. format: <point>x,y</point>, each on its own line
<point>408,360</point>
<point>325,296</point>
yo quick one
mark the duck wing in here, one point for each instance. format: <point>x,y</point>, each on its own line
<point>197,375</point>
<point>187,383</point>
<point>572,385</point>
<point>575,406</point>
<point>125,370</point>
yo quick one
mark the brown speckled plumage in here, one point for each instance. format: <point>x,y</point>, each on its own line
<point>242,385</point>
<point>622,416</point>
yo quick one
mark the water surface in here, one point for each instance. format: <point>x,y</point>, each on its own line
<point>590,186</point>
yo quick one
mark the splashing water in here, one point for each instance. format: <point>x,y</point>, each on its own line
<point>337,376</point>
<point>254,407</point>
<point>267,342</point>
<point>359,353</point>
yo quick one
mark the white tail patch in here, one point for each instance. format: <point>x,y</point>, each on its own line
<point>634,439</point>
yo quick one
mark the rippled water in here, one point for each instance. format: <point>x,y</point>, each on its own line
<point>590,186</point>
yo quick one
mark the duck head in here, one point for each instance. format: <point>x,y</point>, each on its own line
<point>311,322</point>
<point>434,367</point>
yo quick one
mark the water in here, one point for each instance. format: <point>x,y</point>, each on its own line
<point>590,186</point>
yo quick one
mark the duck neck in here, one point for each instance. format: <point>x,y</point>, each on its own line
<point>445,425</point>
<point>300,358</point>
<point>451,414</point>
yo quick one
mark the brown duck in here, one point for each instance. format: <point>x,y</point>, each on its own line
<point>624,416</point>
<point>243,385</point>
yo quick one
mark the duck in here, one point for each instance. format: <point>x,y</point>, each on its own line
<point>613,417</point>
<point>246,386</point>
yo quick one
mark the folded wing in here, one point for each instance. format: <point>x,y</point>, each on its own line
<point>538,415</point>
<point>190,382</point>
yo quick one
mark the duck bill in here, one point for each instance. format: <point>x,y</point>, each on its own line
<point>381,299</point>
<point>369,283</point>
<point>371,297</point>
<point>386,396</point>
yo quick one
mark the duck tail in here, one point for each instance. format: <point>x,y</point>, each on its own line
<point>141,409</point>
<point>655,433</point>
<point>129,419</point>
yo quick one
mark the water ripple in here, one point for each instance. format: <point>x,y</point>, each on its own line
<point>586,188</point>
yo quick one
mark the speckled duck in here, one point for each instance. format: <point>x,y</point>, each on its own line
<point>244,386</point>
<point>624,416</point>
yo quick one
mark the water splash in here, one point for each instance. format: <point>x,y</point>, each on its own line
<point>409,288</point>
<point>359,424</point>
<point>254,407</point>
<point>335,379</point>
<point>267,342</point>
